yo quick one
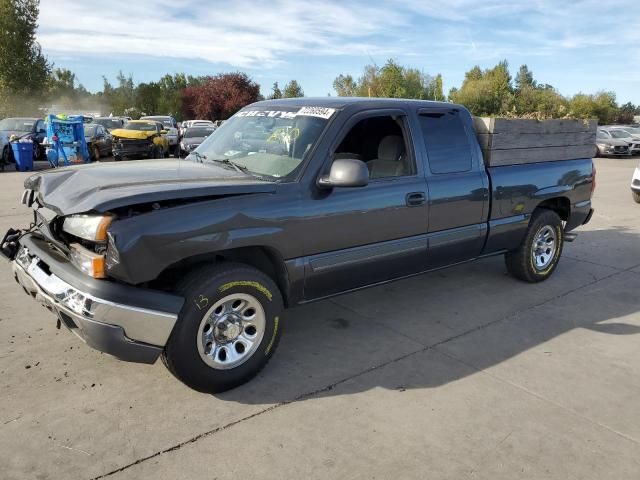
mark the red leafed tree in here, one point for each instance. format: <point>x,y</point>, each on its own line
<point>219,97</point>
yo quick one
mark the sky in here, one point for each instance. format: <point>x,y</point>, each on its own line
<point>576,46</point>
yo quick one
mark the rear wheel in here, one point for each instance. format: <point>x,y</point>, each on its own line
<point>96,153</point>
<point>636,196</point>
<point>538,255</point>
<point>228,328</point>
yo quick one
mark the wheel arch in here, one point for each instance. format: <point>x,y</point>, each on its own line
<point>560,205</point>
<point>263,258</point>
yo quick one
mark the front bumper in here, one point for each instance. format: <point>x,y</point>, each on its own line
<point>123,321</point>
<point>126,148</point>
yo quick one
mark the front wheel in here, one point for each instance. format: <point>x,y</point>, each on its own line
<point>636,196</point>
<point>228,328</point>
<point>7,155</point>
<point>538,255</point>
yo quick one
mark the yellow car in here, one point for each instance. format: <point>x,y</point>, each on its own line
<point>140,139</point>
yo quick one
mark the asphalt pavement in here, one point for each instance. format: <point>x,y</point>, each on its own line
<point>461,373</point>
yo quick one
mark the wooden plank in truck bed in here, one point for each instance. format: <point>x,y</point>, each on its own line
<point>518,156</point>
<point>532,140</point>
<point>513,141</point>
<point>521,125</point>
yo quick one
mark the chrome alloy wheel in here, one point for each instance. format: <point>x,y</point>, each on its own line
<point>231,331</point>
<point>545,245</point>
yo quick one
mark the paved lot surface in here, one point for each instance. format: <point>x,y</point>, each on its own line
<point>463,373</point>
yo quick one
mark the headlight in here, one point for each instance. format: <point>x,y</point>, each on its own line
<point>88,227</point>
<point>87,261</point>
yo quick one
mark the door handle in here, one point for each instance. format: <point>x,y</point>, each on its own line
<point>416,198</point>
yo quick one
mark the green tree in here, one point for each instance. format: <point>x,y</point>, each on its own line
<point>601,105</point>
<point>391,80</point>
<point>486,93</point>
<point>170,100</point>
<point>23,67</point>
<point>524,78</point>
<point>275,92</point>
<point>626,113</point>
<point>148,98</point>
<point>345,86</point>
<point>292,90</point>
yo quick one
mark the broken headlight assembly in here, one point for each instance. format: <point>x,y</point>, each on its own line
<point>88,227</point>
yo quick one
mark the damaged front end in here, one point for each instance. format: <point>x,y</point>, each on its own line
<point>59,261</point>
<point>130,147</point>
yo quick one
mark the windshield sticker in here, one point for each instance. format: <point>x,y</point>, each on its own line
<point>320,112</point>
<point>266,113</point>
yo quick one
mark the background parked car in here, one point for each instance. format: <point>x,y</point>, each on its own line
<point>634,133</point>
<point>190,123</point>
<point>140,139</point>
<point>193,137</point>
<point>171,126</point>
<point>110,123</point>
<point>98,140</point>
<point>607,144</point>
<point>21,127</point>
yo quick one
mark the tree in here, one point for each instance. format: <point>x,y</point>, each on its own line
<point>524,78</point>
<point>601,105</point>
<point>148,98</point>
<point>275,92</point>
<point>626,113</point>
<point>487,92</point>
<point>391,80</point>
<point>170,98</point>
<point>23,67</point>
<point>219,97</point>
<point>292,90</point>
<point>345,86</point>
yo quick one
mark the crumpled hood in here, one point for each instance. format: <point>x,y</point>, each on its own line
<point>104,186</point>
<point>132,134</point>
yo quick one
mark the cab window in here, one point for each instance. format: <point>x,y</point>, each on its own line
<point>380,142</point>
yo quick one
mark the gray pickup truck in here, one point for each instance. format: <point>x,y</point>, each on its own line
<point>290,201</point>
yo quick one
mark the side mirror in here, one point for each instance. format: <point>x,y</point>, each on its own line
<point>346,172</point>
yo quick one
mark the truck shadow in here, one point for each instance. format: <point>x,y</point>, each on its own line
<point>464,319</point>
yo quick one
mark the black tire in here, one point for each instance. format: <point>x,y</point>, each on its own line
<point>636,196</point>
<point>522,263</point>
<point>202,289</point>
<point>117,158</point>
<point>7,155</point>
<point>94,153</point>
<point>157,152</point>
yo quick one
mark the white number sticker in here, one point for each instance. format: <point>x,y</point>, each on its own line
<point>321,112</point>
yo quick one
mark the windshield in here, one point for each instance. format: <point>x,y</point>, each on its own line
<point>146,127</point>
<point>198,132</point>
<point>16,124</point>
<point>109,123</point>
<point>619,134</point>
<point>265,142</point>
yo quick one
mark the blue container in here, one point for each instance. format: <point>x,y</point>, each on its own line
<point>23,154</point>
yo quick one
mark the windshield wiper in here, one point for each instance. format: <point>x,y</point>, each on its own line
<point>239,168</point>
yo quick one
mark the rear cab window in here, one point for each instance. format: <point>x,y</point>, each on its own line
<point>446,141</point>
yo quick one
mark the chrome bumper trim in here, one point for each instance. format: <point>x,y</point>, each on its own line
<point>139,324</point>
